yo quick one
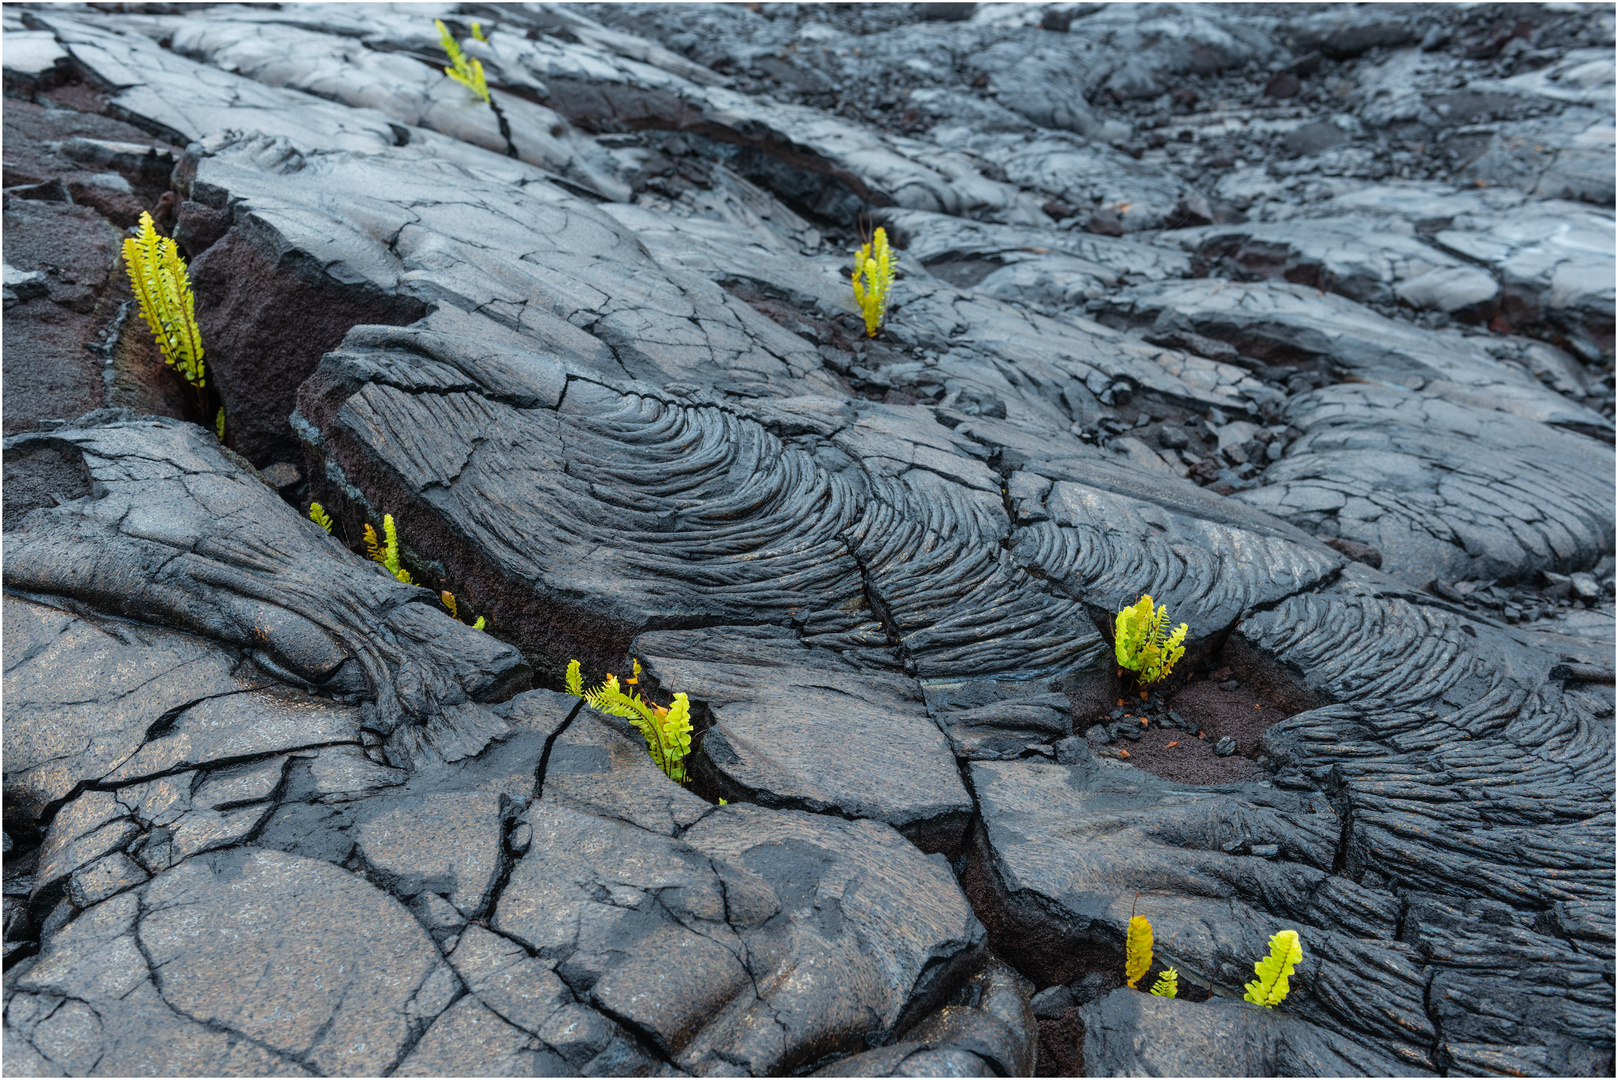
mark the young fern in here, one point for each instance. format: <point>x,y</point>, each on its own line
<point>1167,984</point>
<point>1270,988</point>
<point>667,731</point>
<point>1141,645</point>
<point>386,552</point>
<point>1137,949</point>
<point>318,515</point>
<point>873,276</point>
<point>158,277</point>
<point>448,600</point>
<point>468,71</point>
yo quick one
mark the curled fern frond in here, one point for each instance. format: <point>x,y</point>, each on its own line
<point>1270,988</point>
<point>1167,984</point>
<point>1141,644</point>
<point>873,276</point>
<point>158,277</point>
<point>318,515</point>
<point>447,598</point>
<point>468,71</point>
<point>1137,949</point>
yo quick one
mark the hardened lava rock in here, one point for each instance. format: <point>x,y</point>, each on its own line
<point>1299,321</point>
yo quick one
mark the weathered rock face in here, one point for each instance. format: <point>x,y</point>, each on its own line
<point>1299,322</point>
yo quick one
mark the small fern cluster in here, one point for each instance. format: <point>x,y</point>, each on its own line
<point>468,71</point>
<point>386,552</point>
<point>161,284</point>
<point>1141,644</point>
<point>667,731</point>
<point>1268,990</point>
<point>873,277</point>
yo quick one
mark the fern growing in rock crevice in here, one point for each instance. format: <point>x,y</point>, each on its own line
<point>386,551</point>
<point>1141,643</point>
<point>873,277</point>
<point>1270,988</point>
<point>1137,950</point>
<point>468,71</point>
<point>161,283</point>
<point>667,730</point>
<point>1167,984</point>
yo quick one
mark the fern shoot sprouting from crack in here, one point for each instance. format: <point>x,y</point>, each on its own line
<point>162,285</point>
<point>1141,643</point>
<point>873,277</point>
<point>667,730</point>
<point>468,71</point>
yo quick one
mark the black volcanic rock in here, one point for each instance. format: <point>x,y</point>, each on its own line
<point>1298,321</point>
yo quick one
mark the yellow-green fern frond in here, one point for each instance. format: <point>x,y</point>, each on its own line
<point>1137,949</point>
<point>1270,988</point>
<point>318,515</point>
<point>1167,984</point>
<point>447,598</point>
<point>873,276</point>
<point>466,71</point>
<point>219,424</point>
<point>479,624</point>
<point>667,731</point>
<point>158,277</point>
<point>477,32</point>
<point>1140,644</point>
<point>386,551</point>
<point>668,736</point>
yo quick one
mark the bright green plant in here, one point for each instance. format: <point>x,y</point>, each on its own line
<point>219,424</point>
<point>1270,988</point>
<point>318,515</point>
<point>667,731</point>
<point>468,71</point>
<point>386,552</point>
<point>873,276</point>
<point>160,282</point>
<point>1141,644</point>
<point>1137,949</point>
<point>1167,984</point>
<point>477,32</point>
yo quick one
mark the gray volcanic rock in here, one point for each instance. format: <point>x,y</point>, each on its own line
<point>1400,470</point>
<point>1356,257</point>
<point>1128,1033</point>
<point>1228,305</point>
<point>1065,848</point>
<point>1284,321</point>
<point>268,962</point>
<point>802,728</point>
<point>596,764</point>
<point>694,940</point>
<point>176,512</point>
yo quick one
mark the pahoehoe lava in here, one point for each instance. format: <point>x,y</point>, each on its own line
<point>1299,319</point>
